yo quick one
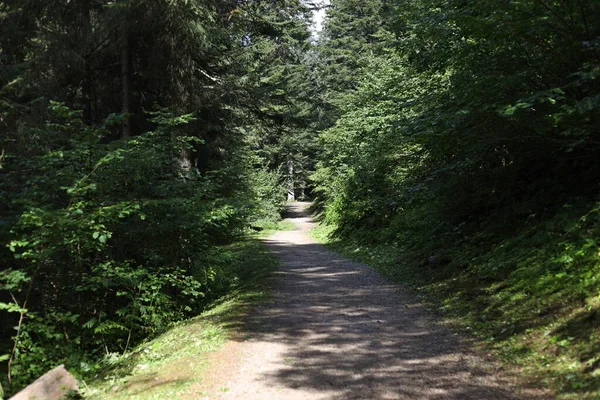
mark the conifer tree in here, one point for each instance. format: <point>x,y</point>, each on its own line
<point>351,34</point>
<point>124,125</point>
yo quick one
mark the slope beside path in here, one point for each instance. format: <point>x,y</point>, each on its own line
<point>336,329</point>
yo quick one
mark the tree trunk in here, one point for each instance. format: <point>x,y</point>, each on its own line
<point>126,79</point>
<point>89,114</point>
<point>291,195</point>
<point>87,89</point>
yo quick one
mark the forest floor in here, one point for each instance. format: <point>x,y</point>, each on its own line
<point>336,329</point>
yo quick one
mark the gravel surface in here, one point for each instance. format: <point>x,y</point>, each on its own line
<point>336,329</point>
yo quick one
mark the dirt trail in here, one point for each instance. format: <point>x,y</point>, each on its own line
<point>336,329</point>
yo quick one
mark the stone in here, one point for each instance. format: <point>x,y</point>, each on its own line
<point>53,385</point>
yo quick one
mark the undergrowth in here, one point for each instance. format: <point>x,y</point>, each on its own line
<point>531,294</point>
<point>171,365</point>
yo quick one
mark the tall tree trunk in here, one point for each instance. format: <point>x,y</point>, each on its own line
<point>126,79</point>
<point>89,114</point>
<point>87,89</point>
<point>291,195</point>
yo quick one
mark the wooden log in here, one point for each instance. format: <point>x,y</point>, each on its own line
<point>53,385</point>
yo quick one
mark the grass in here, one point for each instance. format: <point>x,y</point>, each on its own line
<point>530,295</point>
<point>266,228</point>
<point>175,363</point>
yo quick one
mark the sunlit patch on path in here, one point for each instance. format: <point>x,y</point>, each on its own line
<point>336,329</point>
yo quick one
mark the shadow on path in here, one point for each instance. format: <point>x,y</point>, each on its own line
<point>347,333</point>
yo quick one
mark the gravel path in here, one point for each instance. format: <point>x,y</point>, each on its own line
<point>336,329</point>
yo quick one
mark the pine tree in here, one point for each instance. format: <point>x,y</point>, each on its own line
<point>351,34</point>
<point>124,125</point>
<point>282,80</point>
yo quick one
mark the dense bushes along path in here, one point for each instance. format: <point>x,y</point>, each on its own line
<point>336,329</point>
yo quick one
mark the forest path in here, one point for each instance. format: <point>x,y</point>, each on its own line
<point>336,329</point>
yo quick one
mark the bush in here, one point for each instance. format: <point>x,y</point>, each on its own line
<point>112,242</point>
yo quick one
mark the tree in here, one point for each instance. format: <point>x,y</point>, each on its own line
<point>493,120</point>
<point>125,168</point>
<point>352,33</point>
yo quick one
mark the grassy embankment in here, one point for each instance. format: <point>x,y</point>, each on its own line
<point>530,294</point>
<point>174,364</point>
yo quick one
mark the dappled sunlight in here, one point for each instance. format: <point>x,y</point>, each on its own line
<point>350,334</point>
<point>336,329</point>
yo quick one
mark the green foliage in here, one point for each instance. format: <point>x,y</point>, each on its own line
<point>281,78</point>
<point>532,295</point>
<point>464,130</point>
<point>249,265</point>
<point>114,242</point>
<point>465,116</point>
<point>113,216</point>
<point>269,194</point>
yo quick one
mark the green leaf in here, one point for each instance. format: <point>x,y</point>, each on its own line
<point>11,307</point>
